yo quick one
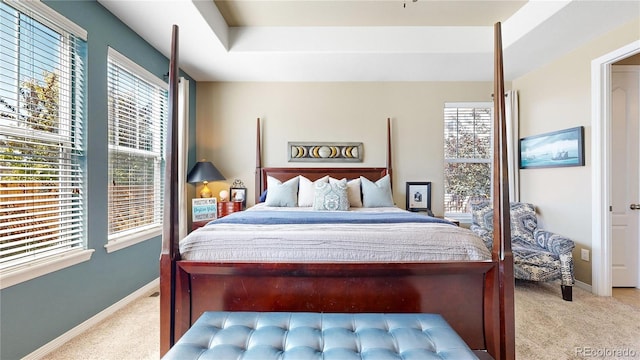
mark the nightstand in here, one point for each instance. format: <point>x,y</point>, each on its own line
<point>228,207</point>
<point>198,224</point>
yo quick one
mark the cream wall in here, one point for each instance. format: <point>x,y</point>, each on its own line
<point>341,112</point>
<point>554,97</point>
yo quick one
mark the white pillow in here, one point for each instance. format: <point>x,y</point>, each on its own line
<point>353,191</point>
<point>307,190</point>
<point>331,196</point>
<point>377,194</point>
<point>282,194</point>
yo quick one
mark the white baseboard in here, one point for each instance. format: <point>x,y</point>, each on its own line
<point>584,286</point>
<point>94,320</point>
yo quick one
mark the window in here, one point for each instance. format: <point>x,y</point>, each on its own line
<point>138,114</point>
<point>467,156</point>
<point>42,208</point>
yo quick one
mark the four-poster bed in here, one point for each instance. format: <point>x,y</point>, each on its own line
<point>474,297</point>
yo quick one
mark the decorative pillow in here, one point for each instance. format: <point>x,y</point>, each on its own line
<point>353,191</point>
<point>307,190</point>
<point>331,196</point>
<point>263,196</point>
<point>376,194</point>
<point>282,194</point>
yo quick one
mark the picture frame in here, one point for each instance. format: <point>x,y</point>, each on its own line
<point>560,148</point>
<point>238,194</point>
<point>204,209</point>
<point>418,196</point>
<point>322,151</point>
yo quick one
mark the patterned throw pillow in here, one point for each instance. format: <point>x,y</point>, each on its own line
<point>331,196</point>
<point>282,194</point>
<point>353,191</point>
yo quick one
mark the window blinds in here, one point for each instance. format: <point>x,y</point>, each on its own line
<point>467,153</point>
<point>467,131</point>
<point>138,114</point>
<point>41,123</point>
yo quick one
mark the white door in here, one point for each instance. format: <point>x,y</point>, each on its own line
<point>625,193</point>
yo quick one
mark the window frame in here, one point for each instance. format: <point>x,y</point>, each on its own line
<point>123,239</point>
<point>465,217</point>
<point>76,252</point>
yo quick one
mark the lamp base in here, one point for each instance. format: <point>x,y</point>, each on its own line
<point>205,192</point>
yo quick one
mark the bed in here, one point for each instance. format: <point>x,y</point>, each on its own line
<point>475,295</point>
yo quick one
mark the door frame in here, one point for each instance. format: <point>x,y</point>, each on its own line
<point>601,170</point>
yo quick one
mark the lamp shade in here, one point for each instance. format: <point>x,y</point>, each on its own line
<point>204,171</point>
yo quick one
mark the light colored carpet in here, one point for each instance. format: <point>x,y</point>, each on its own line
<point>547,327</point>
<point>131,333</point>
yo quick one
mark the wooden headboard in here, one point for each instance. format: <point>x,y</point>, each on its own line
<point>283,174</point>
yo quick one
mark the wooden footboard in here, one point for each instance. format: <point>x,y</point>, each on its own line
<point>464,293</point>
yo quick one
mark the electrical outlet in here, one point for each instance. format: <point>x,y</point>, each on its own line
<point>584,254</point>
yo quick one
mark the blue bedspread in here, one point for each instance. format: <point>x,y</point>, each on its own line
<point>259,217</point>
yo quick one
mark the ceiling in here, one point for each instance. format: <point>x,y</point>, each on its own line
<point>367,40</point>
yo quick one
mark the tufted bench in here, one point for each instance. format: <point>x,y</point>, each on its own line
<point>327,336</point>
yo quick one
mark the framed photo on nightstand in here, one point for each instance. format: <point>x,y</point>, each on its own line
<point>239,194</point>
<point>419,196</point>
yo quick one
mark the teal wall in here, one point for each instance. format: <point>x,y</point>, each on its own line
<point>37,311</point>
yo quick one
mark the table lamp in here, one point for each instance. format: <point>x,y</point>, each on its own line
<point>204,171</point>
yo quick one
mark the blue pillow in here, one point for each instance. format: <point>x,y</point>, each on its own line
<point>282,194</point>
<point>263,196</point>
<point>376,194</point>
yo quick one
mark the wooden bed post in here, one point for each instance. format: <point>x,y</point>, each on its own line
<point>258,184</point>
<point>389,169</point>
<point>170,228</point>
<point>501,213</point>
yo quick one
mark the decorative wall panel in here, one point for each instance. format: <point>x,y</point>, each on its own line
<point>325,151</point>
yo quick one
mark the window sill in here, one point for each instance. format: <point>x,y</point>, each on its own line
<point>35,269</point>
<point>125,241</point>
<point>463,218</point>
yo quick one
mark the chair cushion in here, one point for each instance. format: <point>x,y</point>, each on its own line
<point>296,335</point>
<point>531,262</point>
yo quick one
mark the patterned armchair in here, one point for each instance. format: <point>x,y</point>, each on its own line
<point>538,255</point>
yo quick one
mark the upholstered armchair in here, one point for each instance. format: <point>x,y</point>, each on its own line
<point>538,255</point>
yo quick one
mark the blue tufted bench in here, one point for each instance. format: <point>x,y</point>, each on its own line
<point>327,336</point>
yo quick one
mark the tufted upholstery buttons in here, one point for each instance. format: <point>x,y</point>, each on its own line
<point>328,336</point>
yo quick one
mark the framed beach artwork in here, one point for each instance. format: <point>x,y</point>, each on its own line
<point>555,149</point>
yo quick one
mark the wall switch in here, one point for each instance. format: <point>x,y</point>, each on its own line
<point>584,254</point>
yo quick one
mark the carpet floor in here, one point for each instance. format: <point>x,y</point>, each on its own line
<point>547,327</point>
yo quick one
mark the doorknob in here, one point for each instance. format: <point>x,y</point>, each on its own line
<point>634,206</point>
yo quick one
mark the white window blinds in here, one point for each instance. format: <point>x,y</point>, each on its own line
<point>41,126</point>
<point>467,152</point>
<point>138,114</point>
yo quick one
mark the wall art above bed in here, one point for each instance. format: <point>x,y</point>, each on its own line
<point>324,151</point>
